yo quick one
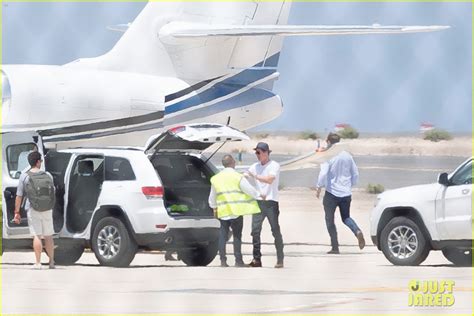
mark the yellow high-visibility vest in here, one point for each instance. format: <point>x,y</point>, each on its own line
<point>230,198</point>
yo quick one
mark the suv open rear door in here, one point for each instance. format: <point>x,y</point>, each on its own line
<point>192,138</point>
<point>15,149</point>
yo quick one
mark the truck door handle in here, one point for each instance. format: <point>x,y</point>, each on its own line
<point>465,191</point>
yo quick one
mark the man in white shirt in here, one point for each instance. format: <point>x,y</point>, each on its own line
<point>266,173</point>
<point>338,176</point>
<point>231,197</point>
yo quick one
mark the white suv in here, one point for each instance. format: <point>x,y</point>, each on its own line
<point>409,222</point>
<point>119,200</point>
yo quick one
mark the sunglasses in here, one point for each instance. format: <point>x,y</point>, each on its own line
<point>258,152</point>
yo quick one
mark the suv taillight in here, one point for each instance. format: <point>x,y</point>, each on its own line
<point>177,129</point>
<point>153,192</point>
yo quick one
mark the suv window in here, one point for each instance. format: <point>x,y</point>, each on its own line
<point>17,158</point>
<point>118,169</point>
<point>56,164</point>
<point>463,175</point>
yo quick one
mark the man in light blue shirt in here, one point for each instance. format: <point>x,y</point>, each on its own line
<point>338,176</point>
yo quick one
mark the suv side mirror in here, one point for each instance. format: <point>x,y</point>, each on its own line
<point>443,179</point>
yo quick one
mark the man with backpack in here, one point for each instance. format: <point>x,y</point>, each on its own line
<point>37,188</point>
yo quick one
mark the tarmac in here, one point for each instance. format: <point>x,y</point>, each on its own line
<point>391,171</point>
<point>354,282</point>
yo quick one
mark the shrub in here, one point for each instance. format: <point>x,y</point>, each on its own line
<point>309,135</point>
<point>262,135</point>
<point>349,132</point>
<point>435,135</point>
<point>375,188</point>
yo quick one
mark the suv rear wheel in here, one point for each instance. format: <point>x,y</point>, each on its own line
<point>403,242</point>
<point>112,244</point>
<point>460,257</point>
<point>200,255</point>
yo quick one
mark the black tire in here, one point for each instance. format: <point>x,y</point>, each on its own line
<point>123,248</point>
<point>65,256</point>
<point>413,248</point>
<point>199,256</point>
<point>460,257</point>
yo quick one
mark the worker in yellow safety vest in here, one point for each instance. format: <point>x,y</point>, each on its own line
<point>231,197</point>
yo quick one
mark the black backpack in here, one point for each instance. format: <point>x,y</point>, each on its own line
<point>40,191</point>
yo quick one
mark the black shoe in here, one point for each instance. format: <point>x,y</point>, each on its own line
<point>360,239</point>
<point>224,264</point>
<point>256,263</point>
<point>241,265</point>
<point>333,252</point>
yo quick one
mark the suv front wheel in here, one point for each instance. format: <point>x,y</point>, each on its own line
<point>112,243</point>
<point>403,242</point>
<point>200,255</point>
<point>460,257</point>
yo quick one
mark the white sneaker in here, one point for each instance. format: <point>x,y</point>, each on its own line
<point>37,266</point>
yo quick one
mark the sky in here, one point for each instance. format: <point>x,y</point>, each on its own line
<point>377,83</point>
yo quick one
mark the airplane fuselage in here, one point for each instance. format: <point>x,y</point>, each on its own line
<point>87,103</point>
<point>46,96</point>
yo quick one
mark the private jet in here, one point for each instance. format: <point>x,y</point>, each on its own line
<point>176,63</point>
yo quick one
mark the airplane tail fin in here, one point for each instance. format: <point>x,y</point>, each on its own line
<point>197,41</point>
<point>201,58</point>
<point>142,49</point>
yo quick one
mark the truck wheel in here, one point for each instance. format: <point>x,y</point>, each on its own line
<point>112,244</point>
<point>403,242</point>
<point>200,255</point>
<point>460,257</point>
<point>65,256</point>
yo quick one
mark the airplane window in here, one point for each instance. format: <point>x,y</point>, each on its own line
<point>6,90</point>
<point>17,158</point>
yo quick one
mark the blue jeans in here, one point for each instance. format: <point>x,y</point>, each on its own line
<point>236,225</point>
<point>271,211</point>
<point>330,203</point>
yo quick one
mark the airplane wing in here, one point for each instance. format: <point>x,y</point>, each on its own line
<point>181,30</point>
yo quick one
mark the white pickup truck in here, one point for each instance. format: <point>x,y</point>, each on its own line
<point>409,222</point>
<point>120,200</point>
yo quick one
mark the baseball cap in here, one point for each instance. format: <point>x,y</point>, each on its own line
<point>263,147</point>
